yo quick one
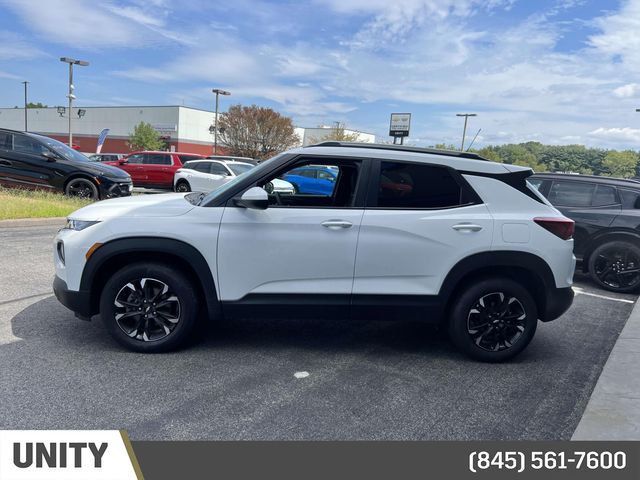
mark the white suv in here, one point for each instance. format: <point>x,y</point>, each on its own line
<point>400,234</point>
<point>206,175</point>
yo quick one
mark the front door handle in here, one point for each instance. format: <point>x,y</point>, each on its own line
<point>336,224</point>
<point>5,163</point>
<point>467,227</point>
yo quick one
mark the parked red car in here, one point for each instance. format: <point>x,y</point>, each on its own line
<point>153,169</point>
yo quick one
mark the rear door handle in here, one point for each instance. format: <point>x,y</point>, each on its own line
<point>467,227</point>
<point>336,224</point>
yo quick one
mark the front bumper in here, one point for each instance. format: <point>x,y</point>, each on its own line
<point>79,302</point>
<point>558,301</point>
<point>115,188</point>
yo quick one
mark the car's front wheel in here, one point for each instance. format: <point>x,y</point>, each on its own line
<point>615,266</point>
<point>82,188</point>
<point>149,307</point>
<point>183,186</point>
<point>493,319</point>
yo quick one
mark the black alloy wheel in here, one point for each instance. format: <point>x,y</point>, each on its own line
<point>82,188</point>
<point>183,187</point>
<point>493,319</point>
<point>496,322</point>
<point>615,266</point>
<point>147,309</point>
<point>150,307</point>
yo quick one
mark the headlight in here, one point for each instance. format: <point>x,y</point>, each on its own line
<point>78,225</point>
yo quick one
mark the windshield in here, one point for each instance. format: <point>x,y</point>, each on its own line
<point>239,168</point>
<point>232,183</point>
<point>62,149</point>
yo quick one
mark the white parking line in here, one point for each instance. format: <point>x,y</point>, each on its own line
<point>580,291</point>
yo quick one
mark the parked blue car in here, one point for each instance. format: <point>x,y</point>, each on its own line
<point>314,180</point>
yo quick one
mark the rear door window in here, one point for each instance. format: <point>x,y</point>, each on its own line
<point>218,169</point>
<point>571,194</point>
<point>418,186</point>
<point>605,195</point>
<point>157,159</point>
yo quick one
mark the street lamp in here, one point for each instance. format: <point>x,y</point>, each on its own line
<point>218,92</point>
<point>464,131</point>
<point>71,96</point>
<point>25,104</point>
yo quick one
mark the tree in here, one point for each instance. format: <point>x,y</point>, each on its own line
<point>621,164</point>
<point>336,134</point>
<point>256,132</point>
<point>36,105</point>
<point>145,137</point>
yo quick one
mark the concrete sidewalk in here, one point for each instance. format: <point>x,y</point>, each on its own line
<point>613,412</point>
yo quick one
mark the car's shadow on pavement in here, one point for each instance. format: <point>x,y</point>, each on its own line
<point>46,322</point>
<point>367,380</point>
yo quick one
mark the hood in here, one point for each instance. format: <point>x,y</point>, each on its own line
<point>107,170</point>
<point>162,205</point>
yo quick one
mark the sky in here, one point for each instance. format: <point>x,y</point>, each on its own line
<point>554,71</point>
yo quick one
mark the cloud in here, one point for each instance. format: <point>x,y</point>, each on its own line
<point>630,90</point>
<point>623,135</point>
<point>85,24</point>
<point>15,47</point>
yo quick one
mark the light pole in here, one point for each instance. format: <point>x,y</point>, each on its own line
<point>25,83</point>
<point>218,92</point>
<point>71,96</point>
<point>464,131</point>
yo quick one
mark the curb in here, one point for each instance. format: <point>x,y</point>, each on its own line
<point>613,411</point>
<point>33,222</point>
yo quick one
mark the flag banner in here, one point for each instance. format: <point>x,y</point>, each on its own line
<point>67,455</point>
<point>101,139</point>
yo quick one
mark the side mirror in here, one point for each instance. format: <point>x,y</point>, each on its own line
<point>50,156</point>
<point>122,161</point>
<point>256,198</point>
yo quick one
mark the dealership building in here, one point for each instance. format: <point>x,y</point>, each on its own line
<point>183,129</point>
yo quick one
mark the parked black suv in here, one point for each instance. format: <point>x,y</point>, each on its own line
<point>32,161</point>
<point>607,231</point>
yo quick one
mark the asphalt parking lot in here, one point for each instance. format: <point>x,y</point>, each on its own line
<point>366,380</point>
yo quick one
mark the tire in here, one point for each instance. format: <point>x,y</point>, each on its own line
<point>615,266</point>
<point>183,186</point>
<point>166,328</point>
<point>82,188</point>
<point>509,335</point>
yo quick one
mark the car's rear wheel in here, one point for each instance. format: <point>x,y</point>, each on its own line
<point>493,319</point>
<point>82,188</point>
<point>149,307</point>
<point>183,186</point>
<point>615,266</point>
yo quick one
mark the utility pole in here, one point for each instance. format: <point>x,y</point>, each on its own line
<point>464,131</point>
<point>71,96</point>
<point>25,104</point>
<point>218,92</point>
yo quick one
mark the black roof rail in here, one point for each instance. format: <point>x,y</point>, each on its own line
<point>402,148</point>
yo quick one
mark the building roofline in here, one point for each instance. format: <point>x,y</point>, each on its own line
<point>113,106</point>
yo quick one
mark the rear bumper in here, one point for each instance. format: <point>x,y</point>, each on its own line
<point>558,301</point>
<point>79,302</point>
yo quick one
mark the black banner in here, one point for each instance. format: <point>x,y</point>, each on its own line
<point>389,460</point>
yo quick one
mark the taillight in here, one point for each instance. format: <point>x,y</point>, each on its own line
<point>562,227</point>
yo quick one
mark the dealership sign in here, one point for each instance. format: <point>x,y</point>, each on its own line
<point>400,123</point>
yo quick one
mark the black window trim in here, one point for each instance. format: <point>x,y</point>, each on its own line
<point>372,193</point>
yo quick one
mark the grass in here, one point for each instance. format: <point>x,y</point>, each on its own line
<point>15,203</point>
